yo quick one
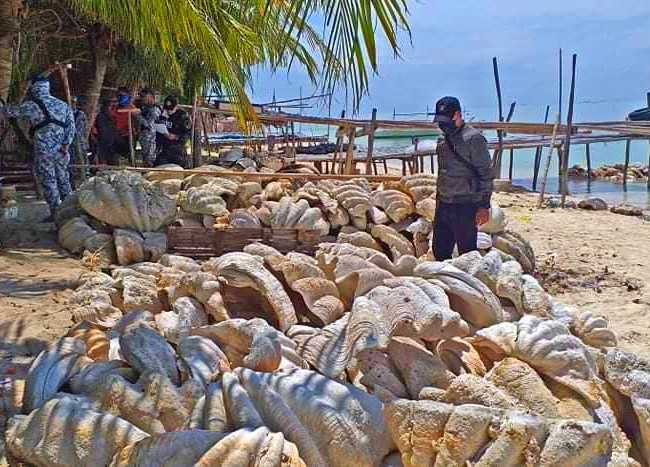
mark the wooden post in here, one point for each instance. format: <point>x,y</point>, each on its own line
<point>626,167</point>
<point>538,154</point>
<point>561,85</point>
<point>416,143</point>
<point>205,135</point>
<point>131,148</point>
<point>339,146</point>
<point>496,159</point>
<point>588,155</point>
<point>648,168</point>
<point>512,160</point>
<point>349,159</point>
<point>569,130</point>
<point>548,161</point>
<point>195,155</point>
<point>63,69</point>
<point>371,142</point>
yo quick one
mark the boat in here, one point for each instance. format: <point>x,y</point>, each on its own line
<point>640,115</point>
<point>398,133</point>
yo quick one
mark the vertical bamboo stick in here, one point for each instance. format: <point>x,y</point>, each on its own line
<point>561,85</point>
<point>496,158</point>
<point>548,161</point>
<point>569,130</point>
<point>648,160</point>
<point>627,162</point>
<point>588,155</point>
<point>512,160</point>
<point>371,142</point>
<point>131,148</point>
<point>195,157</point>
<point>538,154</point>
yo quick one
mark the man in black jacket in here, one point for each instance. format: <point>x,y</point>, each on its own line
<point>465,182</point>
<point>172,143</point>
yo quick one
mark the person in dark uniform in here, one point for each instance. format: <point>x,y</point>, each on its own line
<point>172,143</point>
<point>106,133</point>
<point>465,182</point>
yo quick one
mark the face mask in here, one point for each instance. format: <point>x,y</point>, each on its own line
<point>447,127</point>
<point>123,101</point>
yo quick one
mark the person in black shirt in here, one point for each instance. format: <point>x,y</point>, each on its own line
<point>172,143</point>
<point>106,133</point>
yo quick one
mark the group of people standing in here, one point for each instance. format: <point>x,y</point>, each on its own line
<point>57,129</point>
<point>161,131</point>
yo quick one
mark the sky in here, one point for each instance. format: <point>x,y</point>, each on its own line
<point>453,42</point>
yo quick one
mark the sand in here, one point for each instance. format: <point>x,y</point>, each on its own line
<point>595,261</point>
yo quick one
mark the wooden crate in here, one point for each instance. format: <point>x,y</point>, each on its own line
<point>199,242</point>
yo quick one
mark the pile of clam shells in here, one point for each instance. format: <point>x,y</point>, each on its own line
<point>121,216</point>
<point>358,356</point>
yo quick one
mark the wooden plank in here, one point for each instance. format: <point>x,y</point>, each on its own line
<point>551,146</point>
<point>371,142</point>
<point>569,123</point>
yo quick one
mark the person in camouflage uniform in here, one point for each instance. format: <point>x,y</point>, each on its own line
<point>149,114</point>
<point>81,125</point>
<point>53,130</point>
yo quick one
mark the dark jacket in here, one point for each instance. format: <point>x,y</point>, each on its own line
<point>106,136</point>
<point>460,182</point>
<point>173,151</point>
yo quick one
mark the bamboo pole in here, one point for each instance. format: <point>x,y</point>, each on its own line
<point>569,123</point>
<point>371,142</point>
<point>559,101</point>
<point>538,154</point>
<point>512,160</point>
<point>627,162</point>
<point>648,185</point>
<point>496,159</point>
<point>551,146</point>
<point>588,155</point>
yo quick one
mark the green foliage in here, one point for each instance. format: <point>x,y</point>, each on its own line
<point>184,44</point>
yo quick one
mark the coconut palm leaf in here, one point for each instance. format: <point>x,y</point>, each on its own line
<point>228,37</point>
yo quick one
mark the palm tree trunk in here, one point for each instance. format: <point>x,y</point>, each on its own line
<point>9,26</point>
<point>103,54</point>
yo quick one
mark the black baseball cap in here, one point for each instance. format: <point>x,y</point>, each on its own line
<point>446,108</point>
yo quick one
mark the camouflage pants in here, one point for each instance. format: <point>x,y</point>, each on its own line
<point>148,145</point>
<point>52,171</point>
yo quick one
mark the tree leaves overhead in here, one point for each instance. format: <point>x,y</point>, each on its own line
<point>227,37</point>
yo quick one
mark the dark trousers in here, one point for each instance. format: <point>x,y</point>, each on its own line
<point>454,224</point>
